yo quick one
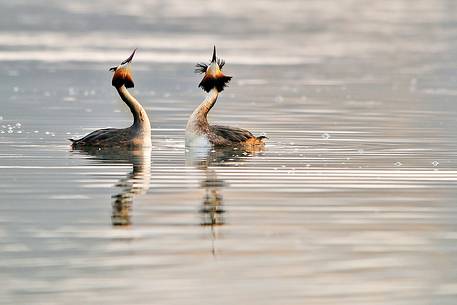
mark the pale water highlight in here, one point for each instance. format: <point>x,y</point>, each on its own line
<point>352,200</point>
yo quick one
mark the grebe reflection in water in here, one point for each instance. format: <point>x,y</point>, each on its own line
<point>212,207</point>
<point>133,184</point>
<point>137,135</point>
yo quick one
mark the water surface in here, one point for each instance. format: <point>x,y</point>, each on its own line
<point>352,200</point>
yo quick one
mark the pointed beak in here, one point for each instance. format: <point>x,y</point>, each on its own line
<point>214,55</point>
<point>129,59</point>
<point>113,69</point>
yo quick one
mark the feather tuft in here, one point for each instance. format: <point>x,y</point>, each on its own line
<point>201,68</point>
<point>219,83</point>
<point>123,76</point>
<point>220,63</point>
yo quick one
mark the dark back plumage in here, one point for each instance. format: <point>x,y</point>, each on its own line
<point>226,135</point>
<point>107,137</point>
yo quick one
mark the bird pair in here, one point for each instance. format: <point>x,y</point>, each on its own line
<point>199,133</point>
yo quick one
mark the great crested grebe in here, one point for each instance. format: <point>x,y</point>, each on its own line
<point>198,131</point>
<point>139,134</point>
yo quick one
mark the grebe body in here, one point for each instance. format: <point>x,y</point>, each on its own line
<point>198,131</point>
<point>138,134</point>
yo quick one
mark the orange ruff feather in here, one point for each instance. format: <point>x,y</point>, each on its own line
<point>254,141</point>
<point>123,76</point>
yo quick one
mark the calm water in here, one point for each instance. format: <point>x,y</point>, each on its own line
<point>352,201</point>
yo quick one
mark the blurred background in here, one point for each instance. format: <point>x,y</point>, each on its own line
<point>352,201</point>
<point>261,32</point>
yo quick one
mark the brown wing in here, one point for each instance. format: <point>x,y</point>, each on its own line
<point>232,134</point>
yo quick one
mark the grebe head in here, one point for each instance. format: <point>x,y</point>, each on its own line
<point>213,75</point>
<point>123,73</point>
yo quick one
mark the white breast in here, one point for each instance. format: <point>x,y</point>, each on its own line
<point>197,140</point>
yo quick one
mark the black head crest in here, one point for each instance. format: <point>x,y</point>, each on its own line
<point>214,77</point>
<point>124,62</point>
<point>214,55</point>
<point>220,62</point>
<point>201,68</point>
<point>130,58</point>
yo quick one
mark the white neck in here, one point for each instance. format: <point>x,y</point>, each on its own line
<point>140,117</point>
<point>200,113</point>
